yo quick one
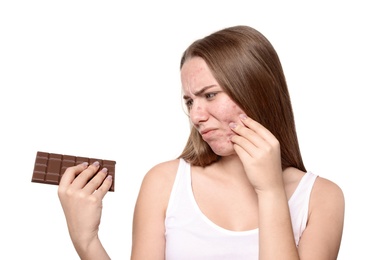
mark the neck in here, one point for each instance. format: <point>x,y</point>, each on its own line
<point>231,165</point>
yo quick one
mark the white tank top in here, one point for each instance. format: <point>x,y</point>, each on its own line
<point>191,235</point>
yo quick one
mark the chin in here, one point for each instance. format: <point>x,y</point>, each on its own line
<point>223,151</point>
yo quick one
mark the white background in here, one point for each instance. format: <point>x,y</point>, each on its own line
<point>101,79</point>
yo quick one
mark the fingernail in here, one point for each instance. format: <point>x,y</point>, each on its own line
<point>232,125</point>
<point>243,116</point>
<point>96,163</point>
<point>104,170</point>
<point>85,164</point>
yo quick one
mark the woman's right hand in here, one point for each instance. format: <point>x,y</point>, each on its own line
<point>81,199</point>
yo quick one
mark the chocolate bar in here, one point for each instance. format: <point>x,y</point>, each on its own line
<point>49,167</point>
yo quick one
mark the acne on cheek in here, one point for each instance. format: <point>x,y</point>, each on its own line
<point>237,108</point>
<point>239,112</point>
<point>233,116</point>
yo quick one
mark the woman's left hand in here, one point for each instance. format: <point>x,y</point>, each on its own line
<point>259,152</point>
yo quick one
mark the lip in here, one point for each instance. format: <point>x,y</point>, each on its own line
<point>206,131</point>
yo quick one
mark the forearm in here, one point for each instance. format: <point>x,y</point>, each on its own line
<point>93,250</point>
<point>276,237</point>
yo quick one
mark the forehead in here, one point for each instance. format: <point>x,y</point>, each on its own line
<point>195,74</point>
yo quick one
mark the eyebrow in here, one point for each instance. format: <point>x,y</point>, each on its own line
<point>199,92</point>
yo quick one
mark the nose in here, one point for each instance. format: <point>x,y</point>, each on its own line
<point>198,113</point>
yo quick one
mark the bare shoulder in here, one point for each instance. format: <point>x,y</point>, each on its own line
<point>327,206</point>
<point>322,236</point>
<point>163,172</point>
<point>158,182</point>
<point>326,190</point>
<point>325,194</point>
<point>327,203</point>
<point>149,212</point>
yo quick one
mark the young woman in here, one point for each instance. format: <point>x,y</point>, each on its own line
<point>240,189</point>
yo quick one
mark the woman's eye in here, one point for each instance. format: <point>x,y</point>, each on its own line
<point>210,95</point>
<point>189,103</point>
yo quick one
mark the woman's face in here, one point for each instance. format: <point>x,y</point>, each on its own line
<point>210,108</point>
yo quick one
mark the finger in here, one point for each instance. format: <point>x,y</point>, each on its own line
<point>256,127</point>
<point>269,141</point>
<point>242,153</point>
<point>96,182</point>
<point>70,174</point>
<point>248,138</point>
<point>243,144</point>
<point>83,178</point>
<point>246,133</point>
<point>104,188</point>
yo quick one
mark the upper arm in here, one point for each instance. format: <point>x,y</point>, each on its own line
<point>322,236</point>
<point>148,241</point>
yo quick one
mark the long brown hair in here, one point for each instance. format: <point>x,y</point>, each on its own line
<point>247,67</point>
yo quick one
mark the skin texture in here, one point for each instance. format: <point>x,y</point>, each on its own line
<point>82,204</point>
<point>247,179</point>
